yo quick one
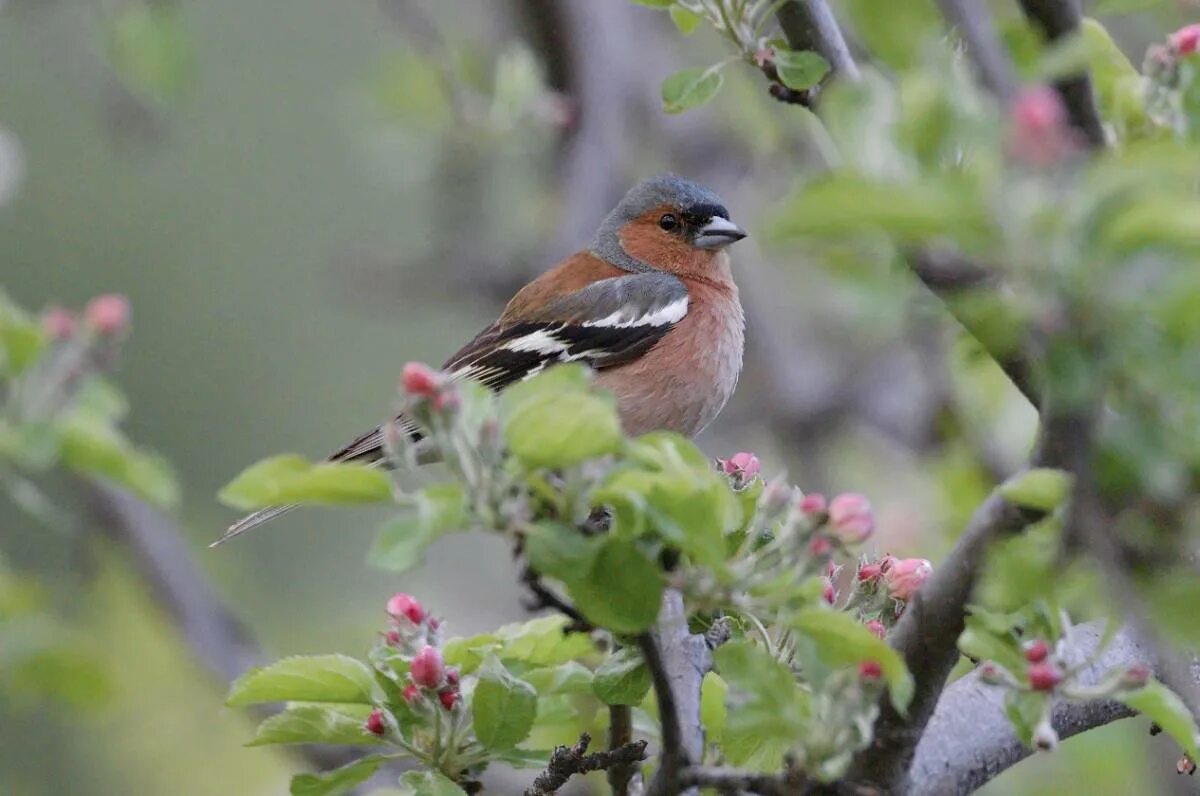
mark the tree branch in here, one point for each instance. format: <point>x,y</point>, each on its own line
<point>620,733</point>
<point>810,25</point>
<point>974,24</point>
<point>1059,19</point>
<point>568,761</point>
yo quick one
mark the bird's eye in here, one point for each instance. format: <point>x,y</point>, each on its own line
<point>668,222</point>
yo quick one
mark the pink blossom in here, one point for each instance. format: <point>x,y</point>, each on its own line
<point>906,575</point>
<point>851,518</point>
<point>1040,133</point>
<point>419,379</point>
<point>1044,676</point>
<point>745,464</point>
<point>375,723</point>
<point>406,605</point>
<point>1037,651</point>
<point>876,627</point>
<point>108,314</point>
<point>812,503</point>
<point>1186,39</point>
<point>58,323</point>
<point>448,697</point>
<point>870,670</point>
<point>427,668</point>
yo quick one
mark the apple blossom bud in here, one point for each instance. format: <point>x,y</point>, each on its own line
<point>991,674</point>
<point>1037,651</point>
<point>108,314</point>
<point>820,546</point>
<point>405,605</point>
<point>906,575</point>
<point>427,668</point>
<point>851,518</point>
<point>393,638</point>
<point>812,503</point>
<point>1040,133</point>
<point>1186,39</point>
<point>453,677</point>
<point>745,464</point>
<point>447,399</point>
<point>870,670</point>
<point>375,723</point>
<point>1044,676</point>
<point>58,323</point>
<point>828,593</point>
<point>1135,676</point>
<point>869,573</point>
<point>411,693</point>
<point>1045,739</point>
<point>419,379</point>
<point>877,627</point>
<point>448,697</point>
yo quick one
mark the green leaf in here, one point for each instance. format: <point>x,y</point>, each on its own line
<point>290,478</point>
<point>623,678</point>
<point>1041,489</point>
<point>841,640</point>
<point>558,550</point>
<point>401,542</point>
<point>1025,709</point>
<point>538,642</point>
<point>622,588</point>
<point>314,724</point>
<point>1162,706</point>
<point>897,32</point>
<point>566,678</point>
<point>800,69</point>
<point>428,783</point>
<point>979,642</point>
<point>90,446</point>
<point>713,713</point>
<point>556,420</point>
<point>339,780</point>
<point>306,678</point>
<point>503,707</point>
<point>763,707</point>
<point>691,88</point>
<point>685,21</point>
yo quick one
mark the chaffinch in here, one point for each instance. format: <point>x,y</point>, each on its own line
<point>651,306</point>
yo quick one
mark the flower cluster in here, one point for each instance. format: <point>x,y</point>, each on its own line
<point>414,637</point>
<point>882,587</point>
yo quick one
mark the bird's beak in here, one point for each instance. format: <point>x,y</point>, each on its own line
<point>718,233</point>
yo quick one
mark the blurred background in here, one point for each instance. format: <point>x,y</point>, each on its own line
<point>300,196</point>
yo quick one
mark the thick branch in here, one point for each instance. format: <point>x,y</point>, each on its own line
<point>927,637</point>
<point>567,761</point>
<point>1059,19</point>
<point>810,25</point>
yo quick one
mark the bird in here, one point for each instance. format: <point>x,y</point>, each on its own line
<point>651,306</point>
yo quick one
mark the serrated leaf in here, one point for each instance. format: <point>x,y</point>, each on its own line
<point>685,21</point>
<point>841,640</point>
<point>1041,489</point>
<point>339,780</point>
<point>800,69</point>
<point>623,678</point>
<point>428,783</point>
<point>691,88</point>
<point>401,542</point>
<point>290,478</point>
<point>1164,707</point>
<point>306,678</point>
<point>503,707</point>
<point>621,589</point>
<point>313,724</point>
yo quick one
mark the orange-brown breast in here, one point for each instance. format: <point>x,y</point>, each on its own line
<point>572,274</point>
<point>683,382</point>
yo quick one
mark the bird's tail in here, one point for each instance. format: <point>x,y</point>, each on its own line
<point>252,521</point>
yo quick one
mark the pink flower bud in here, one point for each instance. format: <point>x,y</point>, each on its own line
<point>745,464</point>
<point>411,693</point>
<point>1186,39</point>
<point>870,670</point>
<point>108,314</point>
<point>375,723</point>
<point>820,546</point>
<point>452,677</point>
<point>828,593</point>
<point>58,323</point>
<point>448,697</point>
<point>876,627</point>
<point>869,573</point>
<point>1040,133</point>
<point>406,605</point>
<point>447,399</point>
<point>906,575</point>
<point>812,503</point>
<point>1044,676</point>
<point>393,638</point>
<point>1135,676</point>
<point>851,518</point>
<point>427,668</point>
<point>1045,739</point>
<point>1037,651</point>
<point>420,379</point>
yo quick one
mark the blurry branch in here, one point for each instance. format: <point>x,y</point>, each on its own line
<point>974,24</point>
<point>810,25</point>
<point>162,560</point>
<point>567,761</point>
<point>1059,19</point>
<point>927,637</point>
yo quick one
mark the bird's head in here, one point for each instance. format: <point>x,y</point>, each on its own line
<point>667,223</point>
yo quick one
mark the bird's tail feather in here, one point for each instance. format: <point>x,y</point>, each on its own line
<point>252,521</point>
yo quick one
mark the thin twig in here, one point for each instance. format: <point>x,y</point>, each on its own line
<point>974,24</point>
<point>811,25</point>
<point>567,761</point>
<point>620,733</point>
<point>1059,19</point>
<point>542,596</point>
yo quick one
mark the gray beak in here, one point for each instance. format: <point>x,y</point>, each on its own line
<point>718,233</point>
